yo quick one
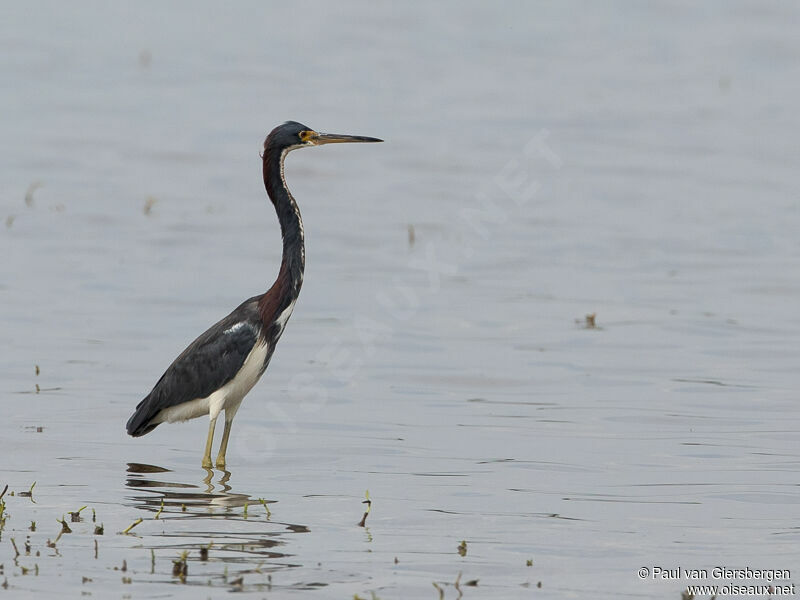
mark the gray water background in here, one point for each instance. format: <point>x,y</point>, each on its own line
<point>637,161</point>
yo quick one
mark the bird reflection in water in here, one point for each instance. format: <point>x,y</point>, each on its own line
<point>186,497</point>
<point>209,522</point>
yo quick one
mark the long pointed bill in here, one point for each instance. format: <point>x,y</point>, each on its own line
<point>335,138</point>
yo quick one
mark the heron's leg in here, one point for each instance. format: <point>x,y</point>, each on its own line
<point>207,455</point>
<point>223,447</point>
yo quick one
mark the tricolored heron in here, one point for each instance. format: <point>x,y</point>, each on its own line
<point>216,371</point>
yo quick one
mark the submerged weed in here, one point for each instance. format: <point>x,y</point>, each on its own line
<point>127,530</point>
<point>368,502</point>
<point>179,567</point>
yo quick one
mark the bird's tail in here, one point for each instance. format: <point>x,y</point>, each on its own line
<point>141,422</point>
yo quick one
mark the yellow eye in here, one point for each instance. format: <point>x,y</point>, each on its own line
<point>306,135</point>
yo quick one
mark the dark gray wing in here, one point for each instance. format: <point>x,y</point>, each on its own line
<point>207,364</point>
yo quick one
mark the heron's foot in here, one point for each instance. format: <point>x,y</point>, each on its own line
<point>221,462</point>
<point>207,464</point>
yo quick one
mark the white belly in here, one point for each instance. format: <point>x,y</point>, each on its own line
<point>227,398</point>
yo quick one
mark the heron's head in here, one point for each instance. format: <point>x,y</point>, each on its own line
<point>292,135</point>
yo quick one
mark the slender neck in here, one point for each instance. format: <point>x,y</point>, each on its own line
<point>290,277</point>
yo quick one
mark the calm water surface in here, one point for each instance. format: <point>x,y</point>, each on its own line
<point>637,163</point>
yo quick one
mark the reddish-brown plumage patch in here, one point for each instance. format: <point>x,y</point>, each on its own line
<point>269,305</point>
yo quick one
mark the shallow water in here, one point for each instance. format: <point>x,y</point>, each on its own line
<point>541,163</point>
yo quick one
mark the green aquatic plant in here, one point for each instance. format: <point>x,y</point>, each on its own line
<point>180,568</point>
<point>266,508</point>
<point>368,502</point>
<point>64,527</point>
<point>75,517</point>
<point>160,510</point>
<point>29,493</point>
<point>127,530</point>
<point>439,589</point>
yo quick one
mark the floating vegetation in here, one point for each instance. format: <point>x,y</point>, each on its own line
<point>179,567</point>
<point>456,585</point>
<point>64,527</point>
<point>266,508</point>
<point>75,517</point>
<point>439,589</point>
<point>368,502</point>
<point>127,530</point>
<point>248,551</point>
<point>29,493</point>
<point>204,551</point>
<point>3,514</point>
<point>16,550</point>
<point>588,322</point>
<point>462,548</point>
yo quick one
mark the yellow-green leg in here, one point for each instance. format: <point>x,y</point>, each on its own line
<point>223,447</point>
<point>207,464</point>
